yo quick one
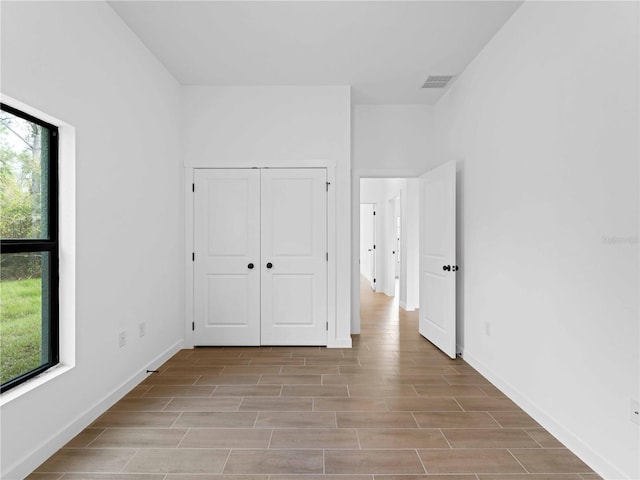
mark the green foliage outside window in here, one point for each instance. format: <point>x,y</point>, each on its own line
<point>28,263</point>
<point>21,148</point>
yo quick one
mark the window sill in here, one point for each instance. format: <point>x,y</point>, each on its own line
<point>33,383</point>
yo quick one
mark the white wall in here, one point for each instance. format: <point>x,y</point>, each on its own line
<point>544,124</point>
<point>395,138</point>
<point>283,127</point>
<point>78,62</point>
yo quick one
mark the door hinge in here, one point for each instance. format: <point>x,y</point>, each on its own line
<point>193,187</point>
<point>193,326</point>
<point>327,256</point>
<point>374,212</point>
<point>327,185</point>
<point>327,326</point>
<point>374,280</point>
<point>374,247</point>
<point>193,256</point>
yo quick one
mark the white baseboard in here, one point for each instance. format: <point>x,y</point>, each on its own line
<point>406,307</point>
<point>340,343</point>
<point>584,451</point>
<point>42,452</point>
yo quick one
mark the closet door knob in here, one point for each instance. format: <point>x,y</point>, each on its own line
<point>250,266</point>
<point>446,268</point>
<point>269,265</point>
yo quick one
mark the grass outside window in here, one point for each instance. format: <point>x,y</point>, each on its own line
<point>20,327</point>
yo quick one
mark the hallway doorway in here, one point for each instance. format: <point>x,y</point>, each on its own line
<point>394,239</point>
<point>415,249</point>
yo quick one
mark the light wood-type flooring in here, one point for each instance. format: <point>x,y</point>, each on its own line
<point>392,407</point>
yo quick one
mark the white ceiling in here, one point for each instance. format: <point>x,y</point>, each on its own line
<point>384,49</point>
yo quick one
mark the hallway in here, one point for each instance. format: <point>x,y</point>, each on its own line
<point>391,408</point>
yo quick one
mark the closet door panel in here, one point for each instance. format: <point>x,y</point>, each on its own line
<point>227,242</point>
<point>294,263</point>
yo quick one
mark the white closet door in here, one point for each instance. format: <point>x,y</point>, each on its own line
<point>227,257</point>
<point>294,262</point>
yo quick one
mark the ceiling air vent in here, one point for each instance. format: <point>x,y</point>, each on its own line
<point>437,81</point>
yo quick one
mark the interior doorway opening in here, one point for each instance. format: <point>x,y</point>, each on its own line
<point>415,243</point>
<point>389,207</point>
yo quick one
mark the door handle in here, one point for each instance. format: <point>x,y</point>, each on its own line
<point>446,268</point>
<point>269,265</point>
<point>250,266</point>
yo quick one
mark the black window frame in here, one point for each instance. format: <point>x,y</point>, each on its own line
<point>50,245</point>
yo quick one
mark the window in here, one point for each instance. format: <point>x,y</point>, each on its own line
<point>28,246</point>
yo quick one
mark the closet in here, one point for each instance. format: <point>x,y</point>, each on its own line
<point>260,256</point>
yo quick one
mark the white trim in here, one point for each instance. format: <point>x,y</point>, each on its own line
<point>189,247</point>
<point>33,383</point>
<point>341,343</point>
<point>584,451</point>
<point>12,102</point>
<point>403,306</point>
<point>42,452</point>
<point>332,270</point>
<point>67,244</point>
<point>355,254</point>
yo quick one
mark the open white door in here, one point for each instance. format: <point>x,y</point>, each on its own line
<point>438,257</point>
